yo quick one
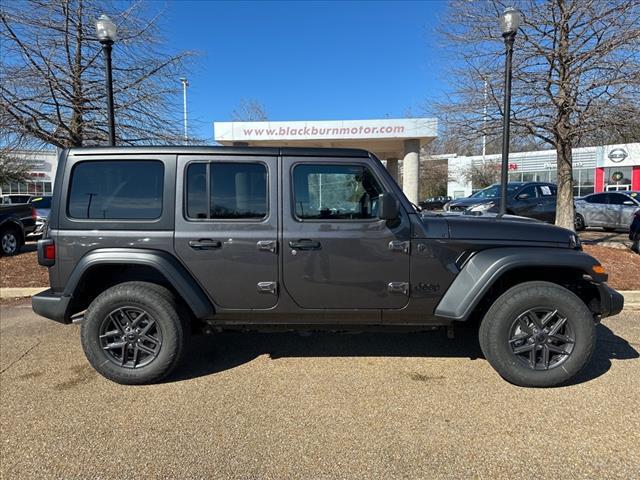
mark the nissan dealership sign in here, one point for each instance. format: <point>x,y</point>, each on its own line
<point>325,130</point>
<point>625,155</point>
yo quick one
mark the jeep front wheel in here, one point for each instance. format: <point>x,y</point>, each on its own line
<point>538,334</point>
<point>132,334</point>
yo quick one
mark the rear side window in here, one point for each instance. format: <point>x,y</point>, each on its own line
<point>598,198</point>
<point>226,191</point>
<point>116,190</point>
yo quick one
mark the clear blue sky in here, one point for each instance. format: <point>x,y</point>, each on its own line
<point>309,60</point>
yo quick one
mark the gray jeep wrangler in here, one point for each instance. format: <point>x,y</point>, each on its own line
<point>146,245</point>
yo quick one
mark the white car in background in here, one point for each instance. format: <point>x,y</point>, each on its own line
<point>609,210</point>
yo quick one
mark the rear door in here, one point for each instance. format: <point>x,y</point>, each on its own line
<point>337,254</point>
<point>226,227</point>
<point>546,204</point>
<point>596,209</point>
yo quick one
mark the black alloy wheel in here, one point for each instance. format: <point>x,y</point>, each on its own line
<point>131,337</point>
<point>541,338</point>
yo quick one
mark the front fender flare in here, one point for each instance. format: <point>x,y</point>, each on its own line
<point>164,263</point>
<point>484,268</point>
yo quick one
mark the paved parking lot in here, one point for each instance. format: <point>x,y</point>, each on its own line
<point>323,406</point>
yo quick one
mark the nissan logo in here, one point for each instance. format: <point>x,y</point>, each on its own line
<point>617,155</point>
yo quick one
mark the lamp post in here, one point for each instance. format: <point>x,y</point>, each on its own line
<point>106,33</point>
<point>185,84</point>
<point>510,20</point>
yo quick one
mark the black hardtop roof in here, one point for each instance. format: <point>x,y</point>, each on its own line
<point>208,150</point>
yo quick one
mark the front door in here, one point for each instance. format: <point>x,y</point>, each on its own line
<point>227,228</point>
<point>337,254</point>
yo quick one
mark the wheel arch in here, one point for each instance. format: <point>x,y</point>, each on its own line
<point>489,273</point>
<point>104,268</point>
<point>16,225</point>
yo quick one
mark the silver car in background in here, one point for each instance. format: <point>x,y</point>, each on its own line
<point>610,210</point>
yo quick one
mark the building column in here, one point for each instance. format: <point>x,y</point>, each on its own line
<point>411,170</point>
<point>392,167</point>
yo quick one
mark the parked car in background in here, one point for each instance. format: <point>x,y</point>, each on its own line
<point>434,203</point>
<point>10,199</point>
<point>526,199</point>
<point>16,222</point>
<point>634,232</point>
<point>43,208</point>
<point>609,210</point>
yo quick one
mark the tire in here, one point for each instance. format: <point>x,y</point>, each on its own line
<point>579,223</point>
<point>508,344</point>
<point>9,241</point>
<point>112,326</point>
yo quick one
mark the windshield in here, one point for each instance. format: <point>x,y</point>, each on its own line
<point>493,191</point>
<point>41,202</point>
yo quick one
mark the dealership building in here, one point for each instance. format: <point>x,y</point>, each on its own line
<point>42,166</point>
<point>595,169</point>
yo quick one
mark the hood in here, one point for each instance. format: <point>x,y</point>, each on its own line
<point>491,227</point>
<point>469,202</point>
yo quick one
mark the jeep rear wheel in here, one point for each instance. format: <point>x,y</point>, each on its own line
<point>538,334</point>
<point>132,333</point>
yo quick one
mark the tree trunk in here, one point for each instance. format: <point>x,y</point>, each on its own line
<point>564,208</point>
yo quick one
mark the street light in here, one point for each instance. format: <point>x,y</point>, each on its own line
<point>185,84</point>
<point>106,33</point>
<point>510,20</point>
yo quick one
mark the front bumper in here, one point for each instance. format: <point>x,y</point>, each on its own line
<point>52,306</point>
<point>611,302</point>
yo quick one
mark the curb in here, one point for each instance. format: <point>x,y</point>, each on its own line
<point>20,292</point>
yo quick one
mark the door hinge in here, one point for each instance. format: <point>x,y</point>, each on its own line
<point>399,246</point>
<point>401,288</point>
<point>268,245</point>
<point>268,287</point>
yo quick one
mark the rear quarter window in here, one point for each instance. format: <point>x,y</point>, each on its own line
<point>116,190</point>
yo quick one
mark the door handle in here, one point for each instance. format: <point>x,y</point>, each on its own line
<point>305,244</point>
<point>205,244</point>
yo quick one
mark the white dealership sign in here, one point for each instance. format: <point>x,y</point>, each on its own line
<point>623,155</point>
<point>325,130</point>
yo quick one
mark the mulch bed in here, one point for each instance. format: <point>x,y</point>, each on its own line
<point>622,265</point>
<point>22,270</point>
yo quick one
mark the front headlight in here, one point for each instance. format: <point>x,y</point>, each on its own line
<point>482,207</point>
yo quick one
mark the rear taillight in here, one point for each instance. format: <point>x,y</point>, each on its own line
<point>50,252</point>
<point>46,252</point>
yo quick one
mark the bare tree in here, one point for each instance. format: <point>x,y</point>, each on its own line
<point>52,84</point>
<point>13,167</point>
<point>482,174</point>
<point>434,177</point>
<point>249,110</point>
<point>576,72</point>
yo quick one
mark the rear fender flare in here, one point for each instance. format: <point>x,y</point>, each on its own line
<point>164,263</point>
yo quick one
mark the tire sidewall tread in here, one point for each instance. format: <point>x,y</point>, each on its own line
<point>494,331</point>
<point>159,302</point>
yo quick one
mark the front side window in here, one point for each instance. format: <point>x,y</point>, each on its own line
<point>225,190</point>
<point>116,190</point>
<point>527,192</point>
<point>336,192</point>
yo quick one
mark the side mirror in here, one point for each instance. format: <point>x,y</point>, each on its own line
<point>628,202</point>
<point>523,196</point>
<point>387,207</point>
